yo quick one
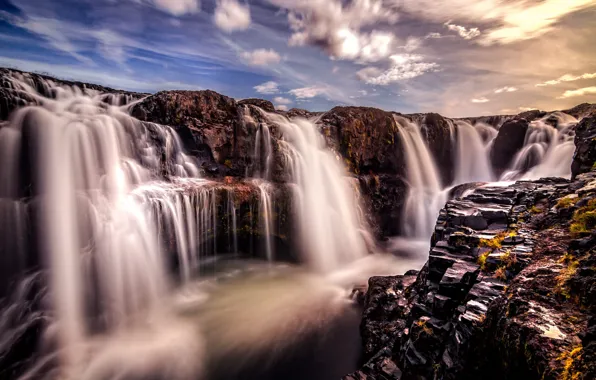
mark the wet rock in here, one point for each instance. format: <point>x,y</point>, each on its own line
<point>265,105</point>
<point>511,300</point>
<point>437,133</point>
<point>508,142</point>
<point>584,159</point>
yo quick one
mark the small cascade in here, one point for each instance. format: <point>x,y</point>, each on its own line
<point>472,149</point>
<point>263,155</point>
<point>71,165</point>
<point>425,194</point>
<point>232,220</point>
<point>327,210</point>
<point>266,215</point>
<point>548,149</point>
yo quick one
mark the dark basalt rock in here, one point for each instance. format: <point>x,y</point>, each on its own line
<point>582,110</point>
<point>437,133</point>
<point>584,159</point>
<point>366,138</point>
<point>265,105</point>
<point>508,142</point>
<point>507,292</point>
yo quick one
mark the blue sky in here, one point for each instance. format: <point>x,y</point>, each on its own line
<point>456,57</point>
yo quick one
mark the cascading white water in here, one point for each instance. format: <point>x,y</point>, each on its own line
<point>100,242</point>
<point>472,162</point>
<point>548,151</point>
<point>327,211</point>
<point>425,195</point>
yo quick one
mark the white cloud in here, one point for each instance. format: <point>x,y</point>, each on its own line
<point>231,16</point>
<point>281,107</point>
<point>466,34</point>
<point>307,92</point>
<point>579,92</point>
<point>404,66</point>
<point>267,88</point>
<point>412,43</point>
<point>281,100</point>
<point>261,57</point>
<point>178,7</point>
<point>567,78</point>
<point>524,109</point>
<point>505,89</point>
<point>509,21</point>
<point>433,35</point>
<point>337,27</point>
<point>480,100</point>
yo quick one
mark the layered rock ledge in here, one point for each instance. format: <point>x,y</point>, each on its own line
<point>508,291</point>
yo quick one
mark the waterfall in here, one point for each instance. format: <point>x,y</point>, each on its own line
<point>327,210</point>
<point>472,149</point>
<point>548,150</point>
<point>75,163</point>
<point>425,194</point>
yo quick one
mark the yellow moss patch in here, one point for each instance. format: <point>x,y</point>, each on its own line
<point>482,260</point>
<point>584,219</point>
<point>509,258</point>
<point>568,358</point>
<point>495,242</point>
<point>564,276</point>
<point>535,210</point>
<point>501,273</point>
<point>567,202</point>
<point>427,330</point>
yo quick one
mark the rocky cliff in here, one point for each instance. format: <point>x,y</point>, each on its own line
<point>508,291</point>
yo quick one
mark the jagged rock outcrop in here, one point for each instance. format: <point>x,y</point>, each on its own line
<point>508,142</point>
<point>508,291</point>
<point>584,159</point>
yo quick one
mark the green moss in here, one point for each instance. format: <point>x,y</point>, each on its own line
<point>584,220</point>
<point>567,202</point>
<point>535,210</point>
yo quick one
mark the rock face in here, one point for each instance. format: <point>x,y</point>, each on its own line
<point>508,142</point>
<point>508,291</point>
<point>585,140</point>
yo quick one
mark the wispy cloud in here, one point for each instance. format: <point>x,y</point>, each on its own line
<point>261,57</point>
<point>404,66</point>
<point>281,107</point>
<point>462,31</point>
<point>579,92</point>
<point>281,100</point>
<point>505,89</point>
<point>307,92</point>
<point>267,88</point>
<point>480,100</point>
<point>178,7</point>
<point>231,16</point>
<point>567,78</point>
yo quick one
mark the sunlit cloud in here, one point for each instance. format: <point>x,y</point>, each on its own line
<point>261,57</point>
<point>567,78</point>
<point>480,100</point>
<point>463,32</point>
<point>525,109</point>
<point>267,88</point>
<point>231,16</point>
<point>178,7</point>
<point>281,107</point>
<point>579,92</point>
<point>404,66</point>
<point>505,89</point>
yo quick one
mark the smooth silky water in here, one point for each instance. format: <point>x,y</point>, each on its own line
<point>86,193</point>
